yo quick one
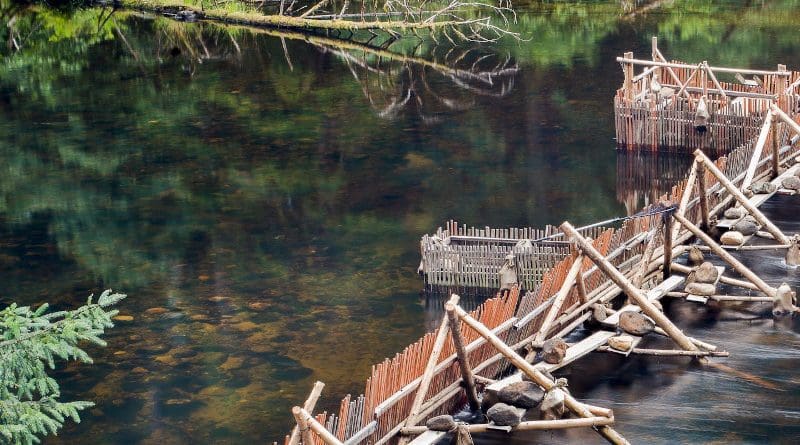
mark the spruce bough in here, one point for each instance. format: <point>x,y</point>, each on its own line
<point>30,342</point>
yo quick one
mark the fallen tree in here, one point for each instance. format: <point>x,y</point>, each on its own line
<point>470,20</point>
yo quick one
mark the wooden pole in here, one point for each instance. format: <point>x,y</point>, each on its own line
<point>463,361</point>
<point>785,118</point>
<point>427,375</point>
<point>668,233</point>
<point>753,210</point>
<point>727,257</point>
<point>311,402</point>
<point>647,257</point>
<point>685,197</point>
<point>671,352</point>
<point>581,285</point>
<point>630,290</point>
<point>530,425</point>
<point>628,72</point>
<point>535,375</point>
<point>559,298</point>
<point>302,415</point>
<point>701,190</point>
<point>776,147</point>
<point>727,280</point>
<point>759,148</point>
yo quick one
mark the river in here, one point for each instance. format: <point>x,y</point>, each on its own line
<point>260,198</point>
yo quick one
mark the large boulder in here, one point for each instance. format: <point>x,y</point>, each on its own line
<point>791,183</point>
<point>747,226</point>
<point>732,238</point>
<point>521,394</point>
<point>702,289</point>
<point>554,350</point>
<point>505,415</point>
<point>706,273</point>
<point>441,423</point>
<point>635,323</point>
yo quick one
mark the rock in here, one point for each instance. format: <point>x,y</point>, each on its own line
<point>763,187</point>
<point>245,326</point>
<point>702,289</point>
<point>552,406</point>
<point>259,306</point>
<point>156,311</point>
<point>139,370</point>
<point>120,352</point>
<point>784,300</point>
<point>734,213</point>
<point>505,415</point>
<point>732,238</point>
<point>232,363</point>
<point>791,183</point>
<point>217,299</point>
<point>748,226</point>
<point>706,273</point>
<point>622,343</point>
<point>123,318</point>
<point>441,423</point>
<point>635,323</point>
<point>554,350</point>
<point>521,394</point>
<point>599,312</point>
<point>793,253</point>
<point>695,256</point>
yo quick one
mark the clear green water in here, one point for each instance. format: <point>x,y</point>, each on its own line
<point>266,203</point>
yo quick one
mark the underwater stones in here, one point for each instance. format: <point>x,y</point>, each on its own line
<point>748,226</point>
<point>232,363</point>
<point>217,299</point>
<point>554,350</point>
<point>695,256</point>
<point>259,306</point>
<point>706,273</point>
<point>139,370</point>
<point>521,394</point>
<point>166,359</point>
<point>635,323</point>
<point>123,318</point>
<point>441,423</point>
<point>622,342</point>
<point>245,326</point>
<point>732,238</point>
<point>505,415</point>
<point>791,183</point>
<point>156,311</point>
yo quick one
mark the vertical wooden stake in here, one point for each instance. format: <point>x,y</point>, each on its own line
<point>302,415</point>
<point>630,290</point>
<point>311,401</point>
<point>727,257</point>
<point>581,285</point>
<point>687,195</point>
<point>753,210</point>
<point>647,256</point>
<point>667,218</point>
<point>776,147</point>
<point>701,191</point>
<point>628,71</point>
<point>461,353</point>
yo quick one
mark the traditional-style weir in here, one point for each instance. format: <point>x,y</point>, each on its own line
<point>571,275</point>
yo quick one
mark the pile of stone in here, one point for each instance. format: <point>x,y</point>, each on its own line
<point>702,281</point>
<point>746,226</point>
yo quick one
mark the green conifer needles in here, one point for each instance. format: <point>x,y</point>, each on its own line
<point>30,342</point>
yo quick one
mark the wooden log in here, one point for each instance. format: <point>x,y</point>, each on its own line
<point>535,375</point>
<point>581,286</point>
<point>668,237</point>
<point>727,280</point>
<point>302,426</point>
<point>727,257</point>
<point>635,294</point>
<point>702,192</point>
<point>647,257</point>
<point>763,220</point>
<point>559,298</point>
<point>325,435</point>
<point>430,367</point>
<point>463,362</point>
<point>685,198</point>
<point>759,148</point>
<point>785,118</point>
<point>309,405</point>
<point>529,425</point>
<point>671,352</point>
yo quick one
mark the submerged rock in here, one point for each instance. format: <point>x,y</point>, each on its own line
<point>441,423</point>
<point>521,394</point>
<point>554,350</point>
<point>123,318</point>
<point>635,323</point>
<point>732,238</point>
<point>505,415</point>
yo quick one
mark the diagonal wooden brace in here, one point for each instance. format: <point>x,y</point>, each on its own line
<point>630,290</point>
<point>306,421</point>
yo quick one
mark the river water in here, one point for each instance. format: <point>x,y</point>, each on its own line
<point>260,198</point>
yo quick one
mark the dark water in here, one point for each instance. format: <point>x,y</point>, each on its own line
<point>263,198</point>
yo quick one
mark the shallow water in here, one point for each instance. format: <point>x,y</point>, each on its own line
<point>262,207</point>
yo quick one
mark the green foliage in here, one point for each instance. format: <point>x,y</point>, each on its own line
<point>30,342</point>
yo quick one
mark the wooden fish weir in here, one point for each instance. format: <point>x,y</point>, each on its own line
<point>458,257</point>
<point>656,109</point>
<point>428,378</point>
